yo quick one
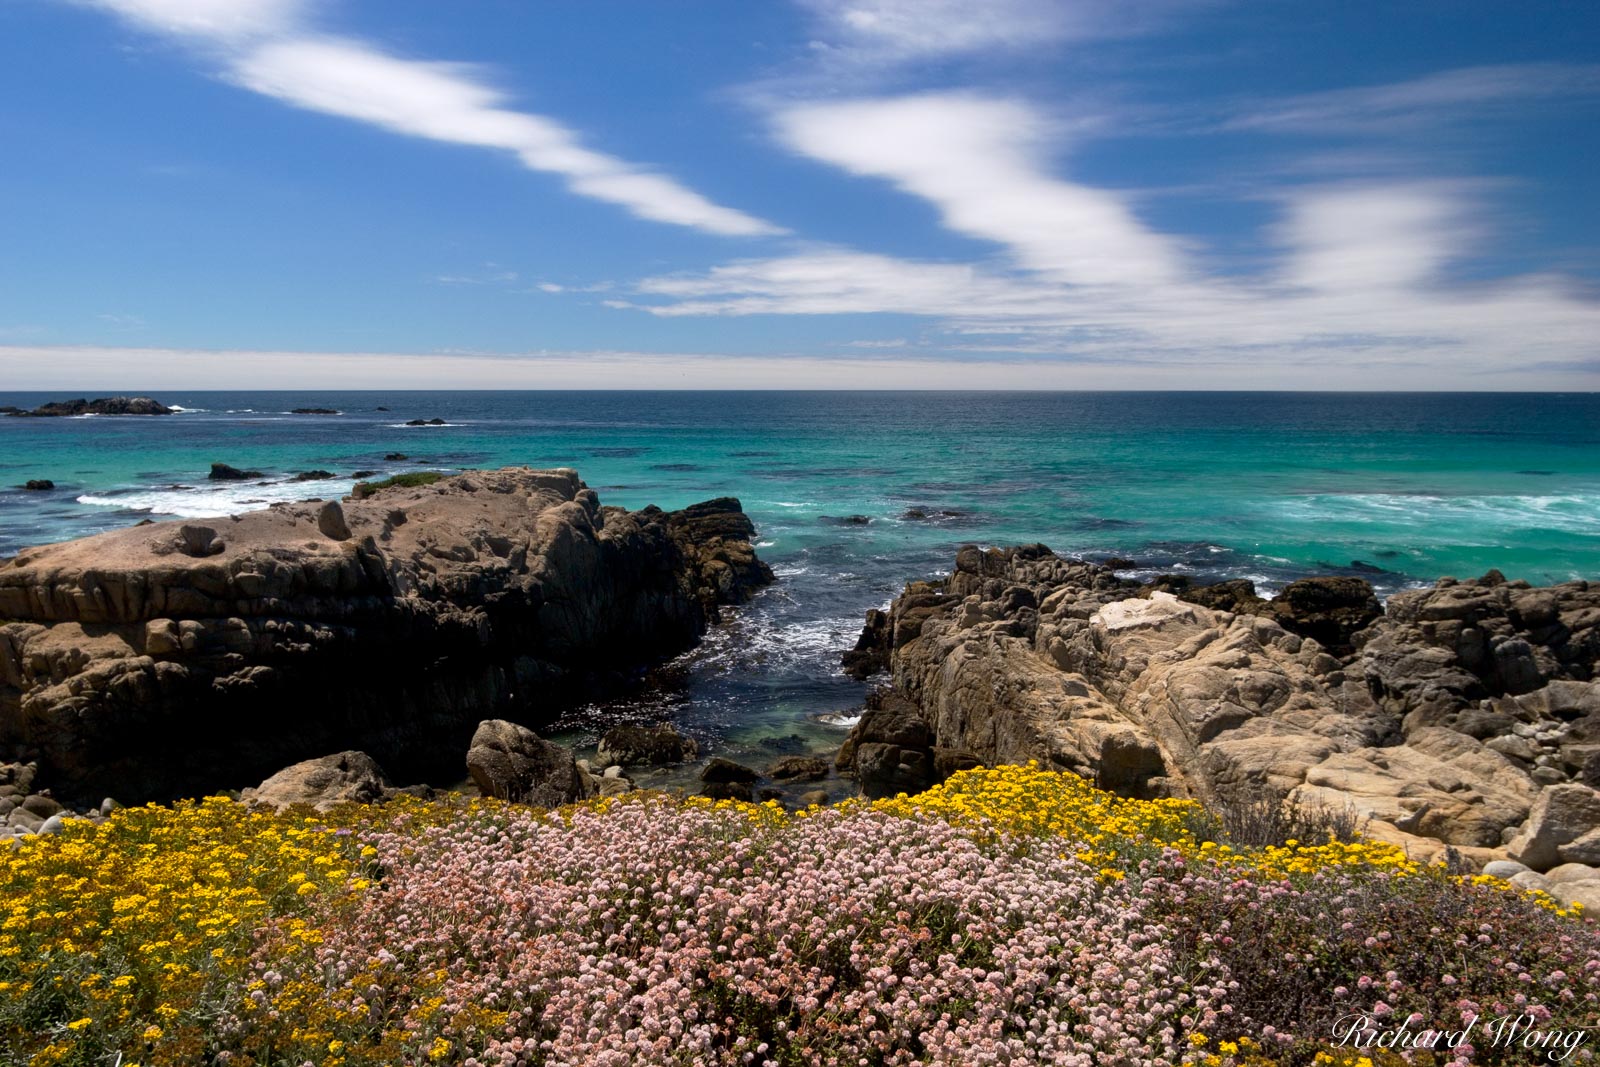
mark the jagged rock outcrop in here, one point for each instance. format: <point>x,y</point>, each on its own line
<point>106,405</point>
<point>173,658</point>
<point>1446,720</point>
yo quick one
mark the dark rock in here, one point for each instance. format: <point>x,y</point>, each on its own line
<point>222,472</point>
<point>39,485</point>
<point>1117,563</point>
<point>798,769</point>
<point>1330,610</point>
<point>725,770</point>
<point>313,411</point>
<point>769,793</point>
<point>314,476</point>
<point>112,405</point>
<point>331,521</point>
<point>426,422</point>
<point>728,791</point>
<point>41,805</point>
<point>814,798</point>
<point>396,457</point>
<point>513,763</point>
<point>871,653</point>
<point>914,515</point>
<point>362,474</point>
<point>1238,596</point>
<point>630,746</point>
<point>846,520</point>
<point>199,541</point>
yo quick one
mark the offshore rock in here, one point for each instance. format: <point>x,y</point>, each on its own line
<point>175,658</point>
<point>108,405</point>
<point>1449,720</point>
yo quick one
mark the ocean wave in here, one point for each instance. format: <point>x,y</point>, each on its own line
<point>1565,512</point>
<point>200,502</point>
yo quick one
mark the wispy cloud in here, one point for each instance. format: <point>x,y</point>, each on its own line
<point>1461,94</point>
<point>897,30</point>
<point>979,160</point>
<point>270,47</point>
<point>1359,274</point>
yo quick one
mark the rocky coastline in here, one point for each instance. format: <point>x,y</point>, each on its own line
<point>1465,716</point>
<point>171,659</point>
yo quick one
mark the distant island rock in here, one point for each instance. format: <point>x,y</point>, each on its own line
<point>314,411</point>
<point>222,472</point>
<point>426,422</point>
<point>39,485</point>
<point>108,405</point>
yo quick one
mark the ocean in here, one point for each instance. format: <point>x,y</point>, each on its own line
<point>856,493</point>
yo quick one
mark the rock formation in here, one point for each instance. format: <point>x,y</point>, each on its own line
<point>173,658</point>
<point>108,405</point>
<point>1466,715</point>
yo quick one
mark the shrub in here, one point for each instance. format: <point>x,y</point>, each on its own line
<point>408,480</point>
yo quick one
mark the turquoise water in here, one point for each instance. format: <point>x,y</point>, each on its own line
<point>1271,486</point>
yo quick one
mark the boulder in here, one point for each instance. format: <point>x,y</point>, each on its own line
<point>719,770</point>
<point>313,476</point>
<point>630,746</point>
<point>1504,868</point>
<point>513,763</point>
<point>1571,872</point>
<point>223,472</point>
<point>1561,815</point>
<point>38,485</point>
<point>798,769</point>
<point>331,521</point>
<point>728,791</point>
<point>344,777</point>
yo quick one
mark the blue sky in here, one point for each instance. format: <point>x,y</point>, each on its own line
<point>825,193</point>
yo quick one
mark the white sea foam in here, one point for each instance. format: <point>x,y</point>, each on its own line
<point>842,719</point>
<point>1566,512</point>
<point>206,501</point>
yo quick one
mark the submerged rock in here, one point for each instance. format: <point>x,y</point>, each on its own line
<point>38,485</point>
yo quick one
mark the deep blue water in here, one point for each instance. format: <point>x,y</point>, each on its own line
<point>1271,486</point>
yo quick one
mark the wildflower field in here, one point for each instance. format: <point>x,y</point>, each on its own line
<point>1009,916</point>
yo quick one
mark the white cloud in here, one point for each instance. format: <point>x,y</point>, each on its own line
<point>227,20</point>
<point>980,161</point>
<point>1376,236</point>
<point>1464,93</point>
<point>1358,299</point>
<point>267,46</point>
<point>891,30</point>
